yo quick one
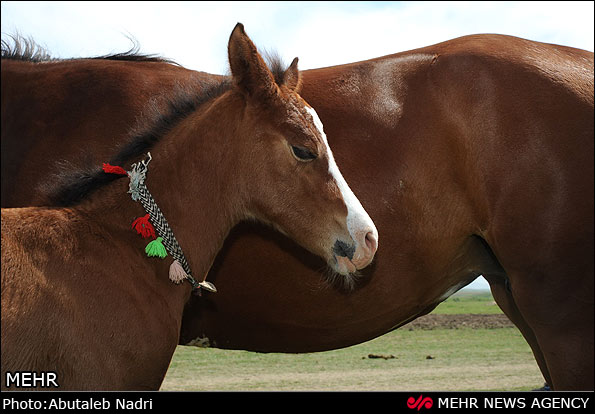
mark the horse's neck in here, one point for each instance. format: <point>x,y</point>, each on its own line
<point>192,185</point>
<point>195,199</point>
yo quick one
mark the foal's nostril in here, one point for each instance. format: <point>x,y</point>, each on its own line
<point>343,249</point>
<point>371,242</point>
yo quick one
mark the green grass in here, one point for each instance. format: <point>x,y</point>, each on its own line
<point>463,359</point>
<point>469,302</point>
<point>460,359</point>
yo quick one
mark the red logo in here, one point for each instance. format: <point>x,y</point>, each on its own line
<point>420,403</point>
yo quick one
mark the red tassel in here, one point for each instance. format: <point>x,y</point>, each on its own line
<point>143,226</point>
<point>113,169</point>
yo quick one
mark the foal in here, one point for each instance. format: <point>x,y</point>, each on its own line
<point>79,297</point>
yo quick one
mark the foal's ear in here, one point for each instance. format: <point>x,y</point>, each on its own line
<point>248,69</point>
<point>292,77</point>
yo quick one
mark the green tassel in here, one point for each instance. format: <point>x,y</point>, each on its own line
<point>156,248</point>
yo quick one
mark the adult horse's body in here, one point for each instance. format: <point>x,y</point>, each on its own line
<point>77,294</point>
<point>473,156</point>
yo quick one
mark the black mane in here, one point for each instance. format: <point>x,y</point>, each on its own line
<point>27,50</point>
<point>24,49</point>
<point>72,185</point>
<point>276,66</point>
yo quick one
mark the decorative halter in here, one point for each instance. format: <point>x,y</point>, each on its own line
<point>154,224</point>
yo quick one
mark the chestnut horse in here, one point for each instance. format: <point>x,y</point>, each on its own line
<point>473,156</point>
<point>77,294</point>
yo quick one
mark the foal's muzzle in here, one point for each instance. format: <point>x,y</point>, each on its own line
<point>351,257</point>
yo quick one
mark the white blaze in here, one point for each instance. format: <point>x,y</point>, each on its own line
<point>359,222</point>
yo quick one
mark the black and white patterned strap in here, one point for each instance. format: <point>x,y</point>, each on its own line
<point>139,192</point>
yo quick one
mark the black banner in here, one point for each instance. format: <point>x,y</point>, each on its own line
<point>408,401</point>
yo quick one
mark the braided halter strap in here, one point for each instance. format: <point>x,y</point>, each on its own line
<point>179,270</point>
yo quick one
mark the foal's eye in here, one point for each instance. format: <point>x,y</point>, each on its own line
<point>303,154</point>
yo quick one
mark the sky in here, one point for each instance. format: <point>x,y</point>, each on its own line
<point>195,34</point>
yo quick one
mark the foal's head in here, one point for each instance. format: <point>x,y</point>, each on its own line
<point>289,175</point>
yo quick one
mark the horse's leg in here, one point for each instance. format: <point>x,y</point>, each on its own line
<point>561,318</point>
<point>505,301</point>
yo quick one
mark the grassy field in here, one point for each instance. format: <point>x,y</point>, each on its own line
<point>425,360</point>
<point>469,302</point>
